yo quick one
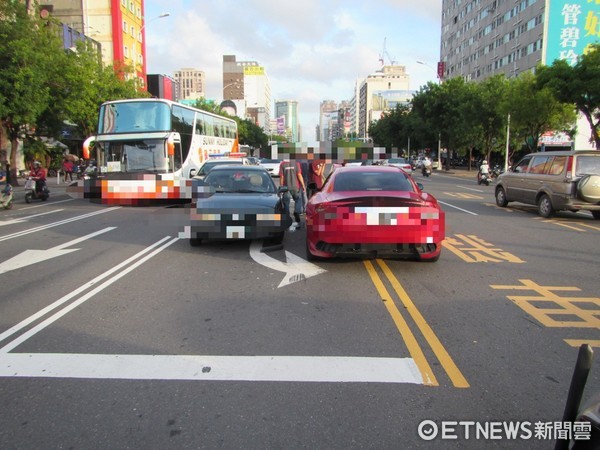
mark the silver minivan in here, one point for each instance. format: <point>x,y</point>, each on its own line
<point>554,181</point>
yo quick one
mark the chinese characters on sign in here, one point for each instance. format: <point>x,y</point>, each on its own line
<point>572,27</point>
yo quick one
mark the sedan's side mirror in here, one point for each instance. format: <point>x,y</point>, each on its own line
<point>420,186</point>
<point>192,173</point>
<point>282,189</point>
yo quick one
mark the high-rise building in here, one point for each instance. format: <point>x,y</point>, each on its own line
<point>380,92</point>
<point>247,85</point>
<point>483,38</point>
<point>328,117</point>
<point>344,120</point>
<point>191,83</point>
<point>480,39</point>
<point>118,25</point>
<point>286,113</point>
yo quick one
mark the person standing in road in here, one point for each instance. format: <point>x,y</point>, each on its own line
<point>316,170</point>
<point>290,175</point>
<point>68,169</point>
<point>305,169</point>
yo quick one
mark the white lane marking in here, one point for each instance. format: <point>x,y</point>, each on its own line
<point>26,218</point>
<point>470,189</point>
<point>46,204</point>
<point>295,268</point>
<point>335,369</point>
<point>456,207</point>
<point>29,257</point>
<point>127,267</point>
<point>55,224</point>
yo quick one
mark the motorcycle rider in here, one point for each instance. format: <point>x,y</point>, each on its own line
<point>426,165</point>
<point>484,169</point>
<point>39,175</point>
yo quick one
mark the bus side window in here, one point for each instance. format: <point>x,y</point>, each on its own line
<point>177,157</point>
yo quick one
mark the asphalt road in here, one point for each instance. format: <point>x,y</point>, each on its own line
<point>115,333</point>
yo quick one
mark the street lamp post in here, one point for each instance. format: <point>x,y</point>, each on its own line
<point>143,44</point>
<point>439,152</point>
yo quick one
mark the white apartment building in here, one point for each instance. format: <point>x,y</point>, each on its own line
<point>191,83</point>
<point>379,92</point>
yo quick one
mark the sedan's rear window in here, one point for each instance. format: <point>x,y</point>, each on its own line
<point>371,181</point>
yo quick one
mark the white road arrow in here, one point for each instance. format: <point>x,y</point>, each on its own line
<point>295,268</point>
<point>29,257</point>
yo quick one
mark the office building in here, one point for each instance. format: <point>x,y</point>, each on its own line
<point>286,115</point>
<point>191,83</point>
<point>246,84</point>
<point>377,93</point>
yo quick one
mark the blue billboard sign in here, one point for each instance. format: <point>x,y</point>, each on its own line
<point>572,27</point>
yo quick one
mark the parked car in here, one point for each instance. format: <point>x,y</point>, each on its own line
<point>554,181</point>
<point>210,164</point>
<point>399,162</point>
<point>272,166</point>
<point>373,211</point>
<point>238,202</point>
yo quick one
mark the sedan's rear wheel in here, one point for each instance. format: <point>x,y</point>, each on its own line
<point>545,208</point>
<point>501,197</point>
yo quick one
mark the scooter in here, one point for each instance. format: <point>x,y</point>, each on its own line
<point>426,170</point>
<point>31,193</point>
<point>496,171</point>
<point>6,196</point>
<point>483,178</point>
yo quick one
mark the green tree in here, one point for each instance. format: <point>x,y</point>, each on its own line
<point>251,134</point>
<point>210,106</point>
<point>26,60</point>
<point>83,85</point>
<point>392,130</point>
<point>535,110</point>
<point>578,85</point>
<point>488,114</point>
<point>448,112</point>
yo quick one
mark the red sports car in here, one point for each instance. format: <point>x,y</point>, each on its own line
<point>376,211</point>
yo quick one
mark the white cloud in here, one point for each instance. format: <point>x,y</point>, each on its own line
<point>313,50</point>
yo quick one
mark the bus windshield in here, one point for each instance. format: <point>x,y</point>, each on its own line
<point>140,155</point>
<point>134,117</point>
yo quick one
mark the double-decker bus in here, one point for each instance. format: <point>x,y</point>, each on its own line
<point>148,149</point>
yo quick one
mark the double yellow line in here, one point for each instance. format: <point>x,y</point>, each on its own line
<point>457,378</point>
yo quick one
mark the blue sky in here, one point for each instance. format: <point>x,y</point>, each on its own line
<point>312,50</point>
